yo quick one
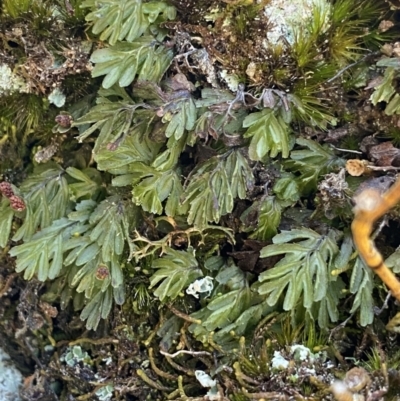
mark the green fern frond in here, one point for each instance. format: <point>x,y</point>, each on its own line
<point>362,284</point>
<point>183,118</point>
<point>304,273</point>
<point>123,61</point>
<point>112,119</point>
<point>269,216</point>
<point>269,134</point>
<point>99,306</point>
<point>6,218</point>
<point>46,196</point>
<point>215,184</point>
<point>386,91</point>
<point>309,108</point>
<point>43,254</point>
<point>153,187</point>
<point>175,270</point>
<point>311,163</point>
<point>235,309</point>
<point>121,162</point>
<point>118,20</point>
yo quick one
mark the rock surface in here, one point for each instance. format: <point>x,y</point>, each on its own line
<point>10,379</point>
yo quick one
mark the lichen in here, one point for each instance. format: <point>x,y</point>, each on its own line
<point>10,379</point>
<point>285,18</point>
<point>10,82</point>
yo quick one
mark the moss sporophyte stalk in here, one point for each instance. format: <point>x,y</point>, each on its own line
<point>177,189</point>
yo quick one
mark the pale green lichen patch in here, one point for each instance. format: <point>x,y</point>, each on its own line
<point>10,82</point>
<point>10,379</point>
<point>57,97</point>
<point>287,17</point>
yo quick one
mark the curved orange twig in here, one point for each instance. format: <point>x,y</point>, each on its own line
<point>370,206</point>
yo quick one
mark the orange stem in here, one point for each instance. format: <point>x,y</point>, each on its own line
<point>370,206</point>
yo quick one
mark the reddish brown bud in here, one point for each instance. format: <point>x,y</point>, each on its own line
<point>6,189</point>
<point>102,272</point>
<point>17,203</point>
<point>64,120</point>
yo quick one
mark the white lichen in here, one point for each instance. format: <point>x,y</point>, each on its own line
<point>301,359</point>
<point>10,82</point>
<point>230,79</point>
<point>204,379</point>
<point>105,393</point>
<point>285,17</point>
<point>10,379</point>
<point>74,355</point>
<point>278,362</point>
<point>301,353</point>
<point>57,98</point>
<point>200,286</point>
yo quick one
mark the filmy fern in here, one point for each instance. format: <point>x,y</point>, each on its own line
<point>304,273</point>
<point>91,241</point>
<point>46,195</point>
<point>386,90</point>
<point>235,306</point>
<point>112,119</point>
<point>182,119</point>
<point>362,284</point>
<point>121,161</point>
<point>269,134</point>
<point>219,181</point>
<point>177,150</point>
<point>153,187</point>
<point>175,271</point>
<point>43,254</point>
<point>269,216</point>
<point>122,62</point>
<point>118,20</point>
<point>7,215</point>
<point>311,163</point>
